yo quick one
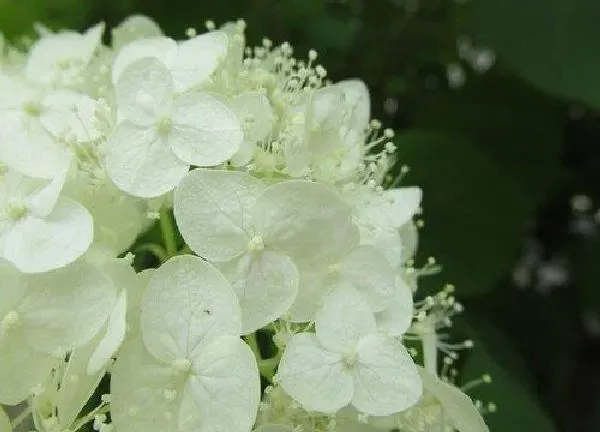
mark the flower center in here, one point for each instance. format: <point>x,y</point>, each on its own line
<point>181,366</point>
<point>164,125</point>
<point>256,244</point>
<point>15,209</point>
<point>333,268</point>
<point>350,359</point>
<point>11,320</point>
<point>32,109</point>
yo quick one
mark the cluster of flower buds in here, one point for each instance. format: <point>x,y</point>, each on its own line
<point>278,182</point>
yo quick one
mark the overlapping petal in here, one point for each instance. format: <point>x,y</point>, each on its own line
<point>316,378</point>
<point>187,303</point>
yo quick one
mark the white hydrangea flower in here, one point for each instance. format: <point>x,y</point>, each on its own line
<point>81,374</point>
<point>331,130</point>
<point>189,371</point>
<point>163,133</point>
<point>257,231</point>
<point>60,58</point>
<point>442,407</point>
<point>258,119</point>
<point>40,126</point>
<point>363,267</point>
<point>190,63</point>
<point>133,28</point>
<point>456,408</point>
<point>348,362</point>
<point>397,316</point>
<point>118,218</point>
<point>39,229</point>
<point>380,215</point>
<point>44,317</point>
<point>295,230</point>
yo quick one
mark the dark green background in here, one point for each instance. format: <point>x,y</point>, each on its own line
<point>499,160</point>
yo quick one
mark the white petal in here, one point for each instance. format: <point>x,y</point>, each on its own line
<point>144,394</point>
<point>118,218</point>
<point>213,212</point>
<point>244,154</point>
<point>387,380</point>
<point>257,117</point>
<point>205,131</point>
<point>410,240</point>
<point>368,271</point>
<point>51,52</point>
<point>316,378</point>
<point>5,422</point>
<point>112,338</point>
<point>256,114</point>
<point>144,91</point>
<point>343,320</point>
<point>26,146</point>
<point>392,209</point>
<point>141,163</point>
<point>223,393</point>
<point>197,59</point>
<point>324,110</point>
<point>13,287</point>
<point>15,91</point>
<point>315,284</point>
<point>161,48</point>
<point>388,242</point>
<point>38,245</point>
<point>76,386</point>
<point>301,219</point>
<point>266,285</point>
<point>188,303</point>
<point>456,405</point>
<point>68,113</point>
<point>65,308</point>
<point>42,201</point>
<point>296,150</point>
<point>133,28</point>
<point>135,293</point>
<point>357,103</point>
<point>397,316</point>
<point>404,203</point>
<point>22,369</point>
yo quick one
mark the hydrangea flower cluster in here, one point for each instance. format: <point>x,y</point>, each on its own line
<point>278,182</point>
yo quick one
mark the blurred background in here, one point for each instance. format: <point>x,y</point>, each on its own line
<point>495,104</point>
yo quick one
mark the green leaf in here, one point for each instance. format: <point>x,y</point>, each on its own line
<point>590,275</point>
<point>17,17</point>
<point>510,389</point>
<point>518,127</point>
<point>474,213</point>
<point>552,43</point>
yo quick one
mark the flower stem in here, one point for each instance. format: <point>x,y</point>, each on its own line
<point>100,409</point>
<point>168,233</point>
<point>265,366</point>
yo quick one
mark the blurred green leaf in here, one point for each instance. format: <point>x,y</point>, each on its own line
<point>17,17</point>
<point>510,389</point>
<point>516,126</point>
<point>474,213</point>
<point>590,275</point>
<point>553,43</point>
